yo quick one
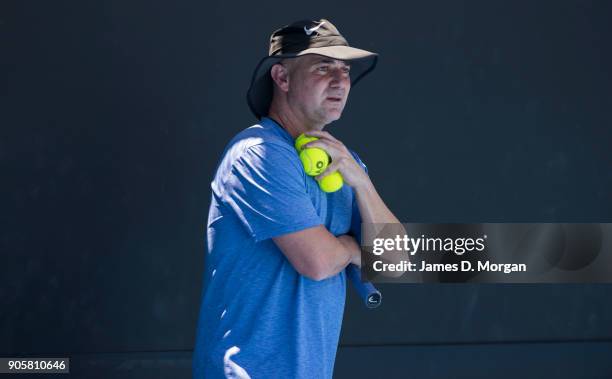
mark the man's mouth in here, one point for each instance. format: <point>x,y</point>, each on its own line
<point>335,99</point>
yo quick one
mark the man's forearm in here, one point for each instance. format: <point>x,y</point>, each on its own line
<point>347,251</point>
<point>371,207</point>
<point>316,253</point>
<point>373,211</point>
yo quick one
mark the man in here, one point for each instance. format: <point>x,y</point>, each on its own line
<point>277,245</point>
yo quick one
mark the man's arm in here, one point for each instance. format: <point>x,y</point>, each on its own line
<point>372,208</point>
<point>318,254</point>
<point>265,189</point>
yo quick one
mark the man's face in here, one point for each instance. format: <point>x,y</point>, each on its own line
<point>318,87</point>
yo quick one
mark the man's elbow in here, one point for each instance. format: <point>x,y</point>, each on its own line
<point>315,270</point>
<point>317,277</point>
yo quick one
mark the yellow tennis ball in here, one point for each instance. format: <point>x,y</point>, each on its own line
<point>303,139</point>
<point>332,182</point>
<point>314,160</point>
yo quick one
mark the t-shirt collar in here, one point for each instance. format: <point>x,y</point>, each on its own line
<point>282,131</point>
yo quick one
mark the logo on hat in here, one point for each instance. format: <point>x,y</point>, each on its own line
<point>313,29</point>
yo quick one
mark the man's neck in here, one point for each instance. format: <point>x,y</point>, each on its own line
<point>292,124</point>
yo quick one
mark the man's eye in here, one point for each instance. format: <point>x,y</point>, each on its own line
<point>322,69</point>
<point>346,70</point>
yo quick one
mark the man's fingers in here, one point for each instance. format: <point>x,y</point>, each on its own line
<point>334,166</point>
<point>321,134</point>
<point>328,146</point>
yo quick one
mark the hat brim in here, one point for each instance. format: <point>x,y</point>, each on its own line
<point>260,91</point>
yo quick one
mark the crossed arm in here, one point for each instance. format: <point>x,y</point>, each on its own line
<point>315,252</point>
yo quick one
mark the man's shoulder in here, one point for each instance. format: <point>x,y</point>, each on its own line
<point>259,146</point>
<point>257,157</point>
<point>260,136</point>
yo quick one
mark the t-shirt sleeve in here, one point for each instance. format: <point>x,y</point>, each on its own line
<point>355,229</point>
<point>266,189</point>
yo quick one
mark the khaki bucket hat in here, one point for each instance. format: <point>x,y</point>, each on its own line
<point>301,38</point>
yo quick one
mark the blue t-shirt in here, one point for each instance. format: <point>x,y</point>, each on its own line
<point>283,324</point>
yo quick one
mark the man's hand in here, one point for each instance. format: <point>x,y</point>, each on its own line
<point>352,245</point>
<point>342,160</point>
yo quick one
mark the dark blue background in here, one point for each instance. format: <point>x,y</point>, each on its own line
<point>113,115</point>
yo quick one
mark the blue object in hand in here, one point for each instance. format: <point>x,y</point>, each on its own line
<point>371,297</point>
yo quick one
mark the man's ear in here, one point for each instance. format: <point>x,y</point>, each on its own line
<point>280,75</point>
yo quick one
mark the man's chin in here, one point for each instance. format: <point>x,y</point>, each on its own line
<point>329,120</point>
<point>333,115</point>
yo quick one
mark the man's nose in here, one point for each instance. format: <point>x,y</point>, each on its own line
<point>340,78</point>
